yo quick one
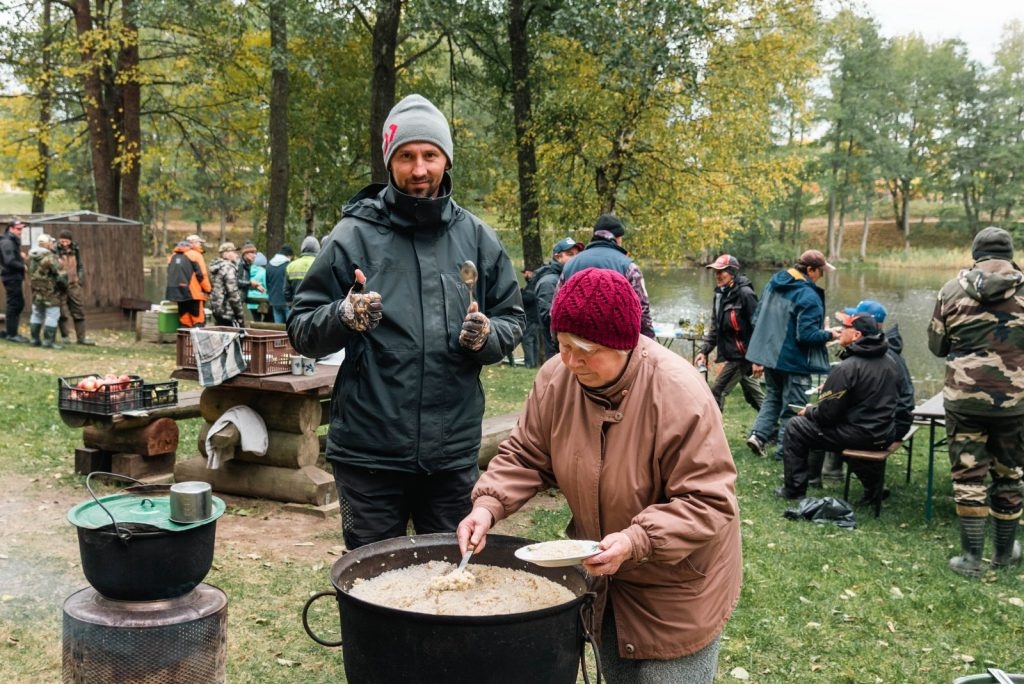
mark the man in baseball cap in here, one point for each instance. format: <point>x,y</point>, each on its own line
<point>387,288</point>
<point>731,325</point>
<point>543,285</point>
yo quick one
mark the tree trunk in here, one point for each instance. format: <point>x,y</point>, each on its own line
<point>158,437</point>
<point>277,200</point>
<point>42,174</point>
<point>383,83</point>
<point>867,228</point>
<point>526,152</point>
<point>129,152</point>
<point>95,116</point>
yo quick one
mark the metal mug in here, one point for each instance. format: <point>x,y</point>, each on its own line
<point>191,502</point>
<point>296,363</point>
<point>308,366</point>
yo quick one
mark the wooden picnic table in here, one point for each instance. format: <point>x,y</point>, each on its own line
<point>933,414</point>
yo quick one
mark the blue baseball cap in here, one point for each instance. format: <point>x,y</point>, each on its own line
<point>564,245</point>
<point>870,307</point>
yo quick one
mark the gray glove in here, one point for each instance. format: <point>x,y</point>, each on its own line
<point>361,311</point>
<point>475,330</point>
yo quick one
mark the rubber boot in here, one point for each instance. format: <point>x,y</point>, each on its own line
<point>80,334</point>
<point>1007,551</point>
<point>62,326</point>
<point>832,468</point>
<point>49,338</point>
<point>972,545</point>
<point>33,331</point>
<point>815,459</point>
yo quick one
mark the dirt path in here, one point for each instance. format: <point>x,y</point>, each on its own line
<point>39,559</point>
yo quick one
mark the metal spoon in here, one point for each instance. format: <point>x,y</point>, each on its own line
<point>469,552</point>
<point>469,274</point>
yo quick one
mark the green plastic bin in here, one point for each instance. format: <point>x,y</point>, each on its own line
<point>167,318</point>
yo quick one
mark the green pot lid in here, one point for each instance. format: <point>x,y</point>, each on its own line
<point>146,509</point>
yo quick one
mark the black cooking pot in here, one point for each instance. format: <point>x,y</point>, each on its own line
<point>141,555</point>
<point>388,645</point>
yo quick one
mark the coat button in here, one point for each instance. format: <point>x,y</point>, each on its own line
<point>618,415</point>
<point>630,649</point>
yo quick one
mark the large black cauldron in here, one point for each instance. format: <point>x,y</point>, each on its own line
<point>387,645</point>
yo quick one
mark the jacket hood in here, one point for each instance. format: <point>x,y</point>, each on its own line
<point>37,252</point>
<point>278,260</point>
<point>895,340</point>
<point>992,280</point>
<point>388,206</point>
<point>868,346</point>
<point>787,280</point>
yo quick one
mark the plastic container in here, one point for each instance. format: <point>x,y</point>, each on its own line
<point>268,352</point>
<point>160,394</point>
<point>104,400</point>
<point>167,317</point>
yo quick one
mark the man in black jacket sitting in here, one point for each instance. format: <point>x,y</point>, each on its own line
<point>855,411</point>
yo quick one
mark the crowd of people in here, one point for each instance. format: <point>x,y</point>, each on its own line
<point>421,294</point>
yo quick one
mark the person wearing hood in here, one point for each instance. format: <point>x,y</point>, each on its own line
<point>906,400</point>
<point>732,324</point>
<point>49,282</point>
<point>605,250</point>
<point>188,281</point>
<point>296,270</point>
<point>256,299</point>
<point>978,325</point>
<point>788,344</point>
<point>542,287</point>
<point>226,300</point>
<point>389,289</point>
<point>277,276</point>
<point>855,410</point>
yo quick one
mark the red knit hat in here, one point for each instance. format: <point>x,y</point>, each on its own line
<point>600,306</point>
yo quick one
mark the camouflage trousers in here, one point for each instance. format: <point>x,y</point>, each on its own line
<point>980,446</point>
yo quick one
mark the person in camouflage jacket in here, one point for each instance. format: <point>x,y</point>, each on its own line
<point>226,299</point>
<point>978,325</point>
<point>49,284</point>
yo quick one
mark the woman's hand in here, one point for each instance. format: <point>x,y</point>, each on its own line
<point>472,531</point>
<point>616,549</point>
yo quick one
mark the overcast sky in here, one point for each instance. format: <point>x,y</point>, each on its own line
<point>978,23</point>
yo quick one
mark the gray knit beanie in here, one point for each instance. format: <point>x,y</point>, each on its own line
<point>992,243</point>
<point>415,119</point>
<point>310,245</point>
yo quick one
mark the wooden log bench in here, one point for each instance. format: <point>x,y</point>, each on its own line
<point>881,456</point>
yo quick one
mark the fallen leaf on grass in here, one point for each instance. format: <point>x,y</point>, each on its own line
<point>966,658</point>
<point>304,544</point>
<point>813,625</point>
<point>1014,601</point>
<point>895,592</point>
<point>286,663</point>
<point>890,626</point>
<point>739,673</point>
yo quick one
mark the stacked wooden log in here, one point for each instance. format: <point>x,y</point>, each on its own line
<point>129,448</point>
<point>288,471</point>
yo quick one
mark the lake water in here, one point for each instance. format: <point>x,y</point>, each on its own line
<point>908,295</point>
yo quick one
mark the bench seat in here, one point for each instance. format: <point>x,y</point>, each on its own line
<point>907,443</point>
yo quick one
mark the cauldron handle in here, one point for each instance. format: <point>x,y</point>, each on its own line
<point>305,618</point>
<point>124,535</point>
<point>587,621</point>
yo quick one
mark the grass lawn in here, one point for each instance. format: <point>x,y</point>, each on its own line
<point>819,603</point>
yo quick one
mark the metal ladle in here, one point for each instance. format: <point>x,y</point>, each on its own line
<point>469,274</point>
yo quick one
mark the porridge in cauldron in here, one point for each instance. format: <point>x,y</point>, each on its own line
<point>488,590</point>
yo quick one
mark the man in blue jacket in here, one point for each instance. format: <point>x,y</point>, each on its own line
<point>407,406</point>
<point>788,344</point>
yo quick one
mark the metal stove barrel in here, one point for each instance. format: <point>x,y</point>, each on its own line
<point>181,639</point>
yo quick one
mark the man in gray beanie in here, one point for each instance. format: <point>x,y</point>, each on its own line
<point>406,415</point>
<point>978,325</point>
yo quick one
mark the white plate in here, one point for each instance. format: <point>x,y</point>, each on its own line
<point>559,553</point>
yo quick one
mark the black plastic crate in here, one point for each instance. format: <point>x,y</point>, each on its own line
<point>104,400</point>
<point>156,394</point>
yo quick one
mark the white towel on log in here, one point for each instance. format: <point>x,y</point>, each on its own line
<point>252,431</point>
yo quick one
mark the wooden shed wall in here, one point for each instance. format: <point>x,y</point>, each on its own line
<point>112,256</point>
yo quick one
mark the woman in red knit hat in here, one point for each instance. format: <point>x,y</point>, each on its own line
<point>630,433</point>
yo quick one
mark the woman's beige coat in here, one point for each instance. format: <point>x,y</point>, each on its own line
<point>647,457</point>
